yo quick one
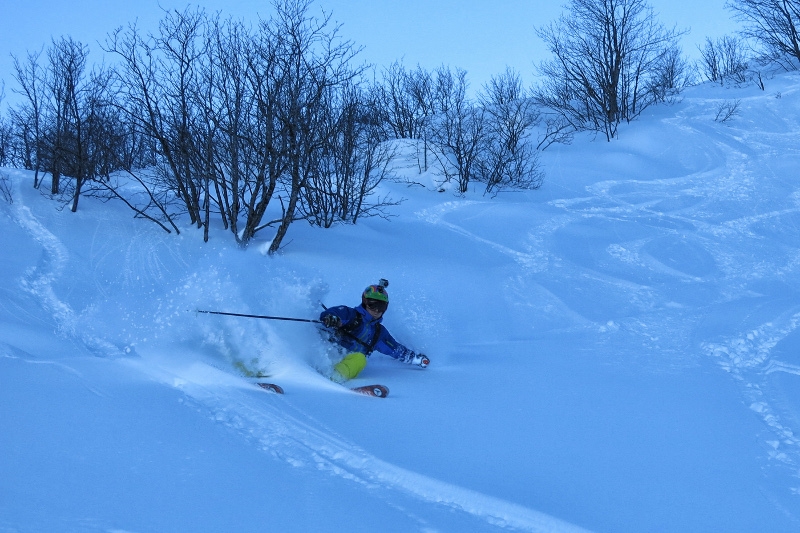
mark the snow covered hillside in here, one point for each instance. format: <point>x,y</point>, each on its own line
<point>617,351</point>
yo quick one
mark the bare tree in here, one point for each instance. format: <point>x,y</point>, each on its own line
<point>67,82</point>
<point>727,110</point>
<point>608,65</point>
<point>264,125</point>
<point>6,143</point>
<point>202,92</point>
<point>509,157</point>
<point>311,59</point>
<point>724,59</point>
<point>5,132</point>
<point>84,131</point>
<point>5,188</point>
<point>64,124</point>
<point>673,74</point>
<point>236,78</point>
<point>775,24</point>
<point>67,61</point>
<point>59,124</point>
<point>406,99</point>
<point>182,48</point>
<point>353,162</point>
<point>376,153</point>
<point>28,117</point>
<point>158,82</point>
<point>250,121</point>
<point>458,128</point>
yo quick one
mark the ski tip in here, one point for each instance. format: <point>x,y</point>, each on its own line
<point>378,391</point>
<point>271,387</point>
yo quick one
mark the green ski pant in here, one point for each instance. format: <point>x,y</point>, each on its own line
<point>351,365</point>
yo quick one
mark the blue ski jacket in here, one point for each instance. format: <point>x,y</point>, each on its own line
<point>360,332</point>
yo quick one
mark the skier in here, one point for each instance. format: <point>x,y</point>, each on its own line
<point>359,331</point>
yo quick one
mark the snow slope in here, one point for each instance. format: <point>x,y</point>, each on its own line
<point>618,351</point>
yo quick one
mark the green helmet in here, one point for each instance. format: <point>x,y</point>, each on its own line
<point>376,297</point>
<point>375,292</point>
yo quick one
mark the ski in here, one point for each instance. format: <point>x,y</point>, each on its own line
<point>378,391</point>
<point>271,387</point>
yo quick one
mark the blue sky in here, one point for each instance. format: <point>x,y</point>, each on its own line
<point>480,36</point>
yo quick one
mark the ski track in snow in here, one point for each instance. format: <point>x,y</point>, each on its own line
<point>746,356</point>
<point>749,360</point>
<point>38,282</point>
<point>437,217</point>
<point>749,356</point>
<point>277,428</point>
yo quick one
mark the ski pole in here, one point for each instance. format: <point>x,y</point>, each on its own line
<point>259,316</point>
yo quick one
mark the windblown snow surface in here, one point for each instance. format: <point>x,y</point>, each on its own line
<point>617,351</point>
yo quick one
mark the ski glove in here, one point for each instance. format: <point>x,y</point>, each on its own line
<point>418,359</point>
<point>331,321</point>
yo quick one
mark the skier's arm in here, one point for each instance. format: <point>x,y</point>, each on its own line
<point>388,345</point>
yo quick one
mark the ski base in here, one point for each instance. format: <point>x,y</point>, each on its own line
<point>271,387</point>
<point>378,391</point>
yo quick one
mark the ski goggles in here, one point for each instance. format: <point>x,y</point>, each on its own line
<point>377,305</point>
